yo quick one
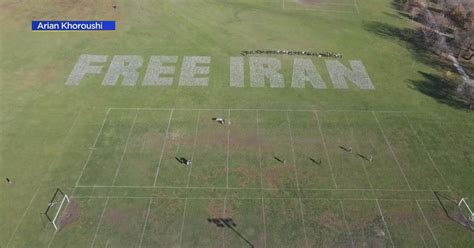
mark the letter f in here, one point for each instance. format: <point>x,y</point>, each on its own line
<point>83,66</point>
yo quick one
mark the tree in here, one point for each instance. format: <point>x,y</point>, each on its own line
<point>457,14</point>
<point>466,91</point>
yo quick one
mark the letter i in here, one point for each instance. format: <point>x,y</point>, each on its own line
<point>237,72</point>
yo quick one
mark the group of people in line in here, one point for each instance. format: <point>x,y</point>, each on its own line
<point>222,121</point>
<point>317,54</point>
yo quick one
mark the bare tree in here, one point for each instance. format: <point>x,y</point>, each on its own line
<point>466,91</point>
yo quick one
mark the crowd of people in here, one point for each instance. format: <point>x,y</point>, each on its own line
<point>317,54</point>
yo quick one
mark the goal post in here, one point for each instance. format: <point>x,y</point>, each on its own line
<point>55,206</point>
<point>465,209</point>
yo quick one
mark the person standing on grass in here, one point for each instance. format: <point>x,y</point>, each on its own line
<point>219,120</point>
<point>185,161</point>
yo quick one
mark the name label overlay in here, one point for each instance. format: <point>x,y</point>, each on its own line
<point>48,25</point>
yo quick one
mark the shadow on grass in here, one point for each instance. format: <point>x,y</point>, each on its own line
<point>408,37</point>
<point>452,211</point>
<point>439,88</point>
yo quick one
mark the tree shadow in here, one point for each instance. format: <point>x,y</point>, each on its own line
<point>439,88</point>
<point>407,36</point>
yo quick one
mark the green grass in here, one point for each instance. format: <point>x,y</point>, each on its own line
<point>113,141</point>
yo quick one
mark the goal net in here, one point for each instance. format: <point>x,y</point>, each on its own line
<point>466,210</point>
<point>58,202</point>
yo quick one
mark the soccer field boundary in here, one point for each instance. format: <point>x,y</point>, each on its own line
<point>322,7</point>
<point>296,176</point>
<point>340,3</point>
<point>384,222</point>
<point>182,223</point>
<point>253,198</point>
<point>228,150</point>
<point>349,233</point>
<point>391,150</point>
<point>366,173</point>
<point>163,147</point>
<point>100,222</point>
<point>264,188</point>
<point>287,109</point>
<point>340,201</point>
<point>194,147</point>
<point>117,170</point>
<point>261,179</point>
<point>325,148</point>
<point>93,148</point>
<point>427,223</point>
<point>298,193</point>
<point>262,109</point>
<point>426,151</point>
<point>145,223</point>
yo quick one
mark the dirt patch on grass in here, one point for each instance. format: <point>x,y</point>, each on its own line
<point>331,221</point>
<point>245,174</point>
<point>119,219</point>
<point>150,141</point>
<point>215,209</point>
<point>274,176</point>
<point>70,215</point>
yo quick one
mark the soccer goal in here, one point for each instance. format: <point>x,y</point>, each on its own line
<point>465,209</point>
<point>57,203</point>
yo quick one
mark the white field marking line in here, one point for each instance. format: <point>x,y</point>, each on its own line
<point>90,153</point>
<point>228,141</point>
<point>182,223</point>
<point>292,150</point>
<point>347,224</point>
<point>261,182</point>
<point>426,151</point>
<point>384,222</point>
<point>252,198</point>
<point>356,6</point>
<point>124,149</point>
<point>100,222</point>
<point>325,149</point>
<point>143,145</point>
<point>267,109</point>
<point>283,4</point>
<point>48,168</point>
<point>322,10</point>
<point>423,239</point>
<point>269,189</point>
<point>330,3</point>
<point>163,147</point>
<point>440,125</point>
<point>223,216</point>
<point>146,221</point>
<point>426,222</point>
<point>297,180</point>
<point>194,148</point>
<point>391,150</point>
<point>357,146</point>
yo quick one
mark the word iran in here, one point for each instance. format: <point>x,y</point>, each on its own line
<point>195,71</point>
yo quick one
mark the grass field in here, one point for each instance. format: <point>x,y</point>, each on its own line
<point>277,169</point>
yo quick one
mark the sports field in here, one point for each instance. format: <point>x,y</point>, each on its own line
<point>295,164</point>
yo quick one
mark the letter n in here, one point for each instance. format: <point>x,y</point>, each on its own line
<point>358,75</point>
